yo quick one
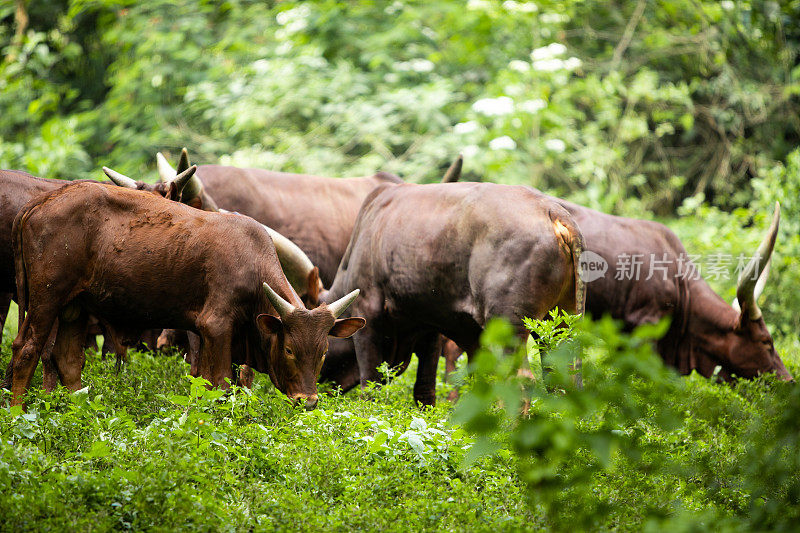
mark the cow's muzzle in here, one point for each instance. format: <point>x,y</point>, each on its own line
<point>310,400</point>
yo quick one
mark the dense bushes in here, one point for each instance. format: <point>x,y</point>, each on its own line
<point>604,102</point>
<point>636,445</point>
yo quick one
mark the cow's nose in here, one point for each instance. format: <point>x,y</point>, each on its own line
<point>310,400</point>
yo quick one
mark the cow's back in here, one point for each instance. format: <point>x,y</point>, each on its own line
<point>644,259</point>
<point>16,189</point>
<point>140,259</point>
<point>464,246</point>
<point>314,212</point>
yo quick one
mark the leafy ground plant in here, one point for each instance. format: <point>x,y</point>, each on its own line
<point>637,446</point>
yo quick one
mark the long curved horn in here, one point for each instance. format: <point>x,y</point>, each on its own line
<point>748,290</point>
<point>295,263</point>
<point>454,172</point>
<point>338,307</point>
<point>762,282</point>
<point>183,178</point>
<point>282,307</point>
<point>120,179</point>
<point>165,170</point>
<point>183,163</point>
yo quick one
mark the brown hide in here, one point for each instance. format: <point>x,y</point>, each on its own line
<point>17,188</point>
<point>139,261</point>
<point>443,259</point>
<point>705,332</point>
<point>314,212</point>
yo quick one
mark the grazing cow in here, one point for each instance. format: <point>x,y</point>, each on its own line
<point>706,332</point>
<point>139,261</point>
<point>314,212</point>
<point>647,276</point>
<point>17,188</point>
<point>443,259</point>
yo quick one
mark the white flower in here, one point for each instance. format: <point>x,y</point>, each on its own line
<point>572,63</point>
<point>477,4</point>
<point>465,127</point>
<point>294,19</point>
<point>519,66</point>
<point>155,81</point>
<point>502,105</point>
<point>552,18</point>
<point>502,143</point>
<point>556,145</point>
<point>532,106</point>
<point>522,7</point>
<point>727,5</point>
<point>549,51</point>
<point>548,65</point>
<point>421,65</point>
<point>417,65</point>
<point>470,151</point>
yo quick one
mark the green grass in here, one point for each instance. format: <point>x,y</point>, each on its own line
<point>149,448</point>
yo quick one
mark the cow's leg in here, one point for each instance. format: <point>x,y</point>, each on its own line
<point>67,355</point>
<point>193,352</point>
<point>451,352</point>
<point>245,376</point>
<point>49,370</point>
<point>216,350</point>
<point>27,348</point>
<point>428,349</point>
<point>5,303</point>
<point>372,349</point>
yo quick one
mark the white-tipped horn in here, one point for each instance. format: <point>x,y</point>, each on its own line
<point>183,178</point>
<point>183,163</point>
<point>282,307</point>
<point>165,170</point>
<point>120,179</point>
<point>748,290</point>
<point>295,263</point>
<point>339,306</point>
<point>454,172</point>
<point>760,284</point>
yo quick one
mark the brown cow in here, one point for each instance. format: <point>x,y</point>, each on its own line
<point>316,213</point>
<point>443,259</point>
<point>706,333</point>
<point>129,258</point>
<point>17,189</point>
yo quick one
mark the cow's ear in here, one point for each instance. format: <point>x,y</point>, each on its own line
<point>195,202</point>
<point>312,288</point>
<point>346,327</point>
<point>172,192</point>
<point>269,324</point>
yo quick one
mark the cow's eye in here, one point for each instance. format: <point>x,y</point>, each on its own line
<point>289,351</point>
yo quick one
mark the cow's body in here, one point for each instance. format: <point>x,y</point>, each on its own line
<point>314,212</point>
<point>138,262</point>
<point>705,331</point>
<point>443,259</point>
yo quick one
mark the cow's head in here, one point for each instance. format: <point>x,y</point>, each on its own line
<point>298,342</point>
<point>171,190</point>
<point>193,194</point>
<point>737,339</point>
<point>175,184</point>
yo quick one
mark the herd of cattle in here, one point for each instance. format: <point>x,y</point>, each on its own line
<point>309,278</point>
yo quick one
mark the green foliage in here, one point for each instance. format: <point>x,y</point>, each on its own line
<point>635,446</point>
<point>607,103</point>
